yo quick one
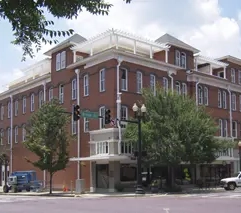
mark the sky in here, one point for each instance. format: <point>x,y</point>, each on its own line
<point>212,26</point>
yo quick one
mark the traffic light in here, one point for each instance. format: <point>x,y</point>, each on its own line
<point>76,112</point>
<point>107,116</point>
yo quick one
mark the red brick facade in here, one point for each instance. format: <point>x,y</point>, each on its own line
<point>95,99</point>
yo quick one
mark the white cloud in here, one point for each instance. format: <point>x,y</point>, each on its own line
<point>198,22</point>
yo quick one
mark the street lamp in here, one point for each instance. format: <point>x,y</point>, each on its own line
<point>139,113</point>
<point>239,148</point>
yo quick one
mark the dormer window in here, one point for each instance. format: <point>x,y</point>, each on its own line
<point>221,74</point>
<point>60,60</point>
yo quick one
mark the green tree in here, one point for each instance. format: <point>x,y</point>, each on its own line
<point>48,138</point>
<point>176,131</point>
<point>30,27</point>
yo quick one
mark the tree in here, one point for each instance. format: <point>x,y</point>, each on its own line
<point>176,131</point>
<point>47,137</point>
<point>30,26</point>
<point>4,160</point>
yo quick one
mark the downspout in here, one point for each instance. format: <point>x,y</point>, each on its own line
<point>171,77</point>
<point>118,103</point>
<point>77,71</point>
<point>44,93</point>
<point>197,83</point>
<point>230,111</point>
<point>11,136</point>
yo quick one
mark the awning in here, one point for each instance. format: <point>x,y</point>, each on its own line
<point>101,157</point>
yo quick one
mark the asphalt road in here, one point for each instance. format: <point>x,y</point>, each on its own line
<point>199,203</point>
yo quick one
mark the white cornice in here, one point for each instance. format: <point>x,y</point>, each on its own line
<point>24,87</point>
<point>213,81</point>
<point>125,56</point>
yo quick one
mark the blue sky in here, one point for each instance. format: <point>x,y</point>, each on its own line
<point>210,25</point>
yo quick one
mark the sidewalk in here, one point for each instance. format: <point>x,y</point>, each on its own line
<point>101,195</point>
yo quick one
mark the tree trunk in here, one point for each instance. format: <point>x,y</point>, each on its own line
<point>50,182</point>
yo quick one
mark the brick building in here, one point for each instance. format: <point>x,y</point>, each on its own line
<point>100,73</point>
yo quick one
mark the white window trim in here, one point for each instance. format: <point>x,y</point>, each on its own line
<point>9,135</point>
<point>233,77</point>
<point>16,134</point>
<point>224,100</point>
<point>220,123</point>
<point>74,89</point>
<point>41,98</point>
<point>153,83</point>
<point>24,104</point>
<point>123,124</point>
<point>139,82</point>
<point>183,59</point>
<point>51,95</point>
<point>235,130</point>
<point>225,128</point>
<point>178,87</point>
<point>165,83</point>
<point>177,58</point>
<point>200,95</point>
<point>74,127</point>
<point>1,136</point>
<point>220,99</point>
<point>184,89</point>
<point>61,93</point>
<point>32,102</point>
<point>63,60</point>
<point>234,102</point>
<point>23,133</point>
<point>2,112</point>
<point>102,80</point>
<point>86,85</point>
<point>58,62</point>
<point>86,120</point>
<point>205,96</point>
<point>102,120</point>
<point>239,76</point>
<point>16,108</point>
<point>9,109</point>
<point>126,80</point>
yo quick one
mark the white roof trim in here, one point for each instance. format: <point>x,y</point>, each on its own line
<point>204,59</point>
<point>121,34</point>
<point>101,157</point>
<point>102,131</point>
<point>215,81</point>
<point>231,59</point>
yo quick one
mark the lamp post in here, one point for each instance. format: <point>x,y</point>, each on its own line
<point>139,114</point>
<point>239,148</point>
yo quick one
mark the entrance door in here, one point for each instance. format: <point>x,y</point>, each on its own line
<point>102,176</point>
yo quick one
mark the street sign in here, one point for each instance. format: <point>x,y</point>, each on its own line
<point>88,114</point>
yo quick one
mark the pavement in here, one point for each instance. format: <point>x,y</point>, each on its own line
<point>221,202</point>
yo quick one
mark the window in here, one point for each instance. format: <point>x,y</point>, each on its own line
<point>16,108</point>
<point>86,125</point>
<point>32,102</point>
<point>9,135</point>
<point>234,129</point>
<point>223,128</point>
<point>128,173</point>
<point>16,134</point>
<point>101,148</point>
<point>224,99</point>
<point>102,80</point>
<point>63,59</point>
<point>51,94</point>
<point>40,98</point>
<point>184,89</point>
<point>219,99</point>
<point>126,148</point>
<point>233,75</point>
<point>233,102</point>
<point>165,84</point>
<point>1,136</point>
<point>153,83</point>
<point>73,127</point>
<point>124,115</point>
<point>2,112</point>
<point>58,62</point>
<point>178,88</point>
<point>9,109</point>
<point>205,97</point>
<point>74,89</point>
<point>183,60</point>
<point>239,76</point>
<point>124,79</point>
<point>138,81</point>
<point>177,58</point>
<point>61,93</point>
<point>86,85</point>
<point>200,95</point>
<point>102,120</point>
<point>24,133</point>
<point>24,105</point>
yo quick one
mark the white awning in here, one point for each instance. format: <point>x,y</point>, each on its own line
<point>101,157</point>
